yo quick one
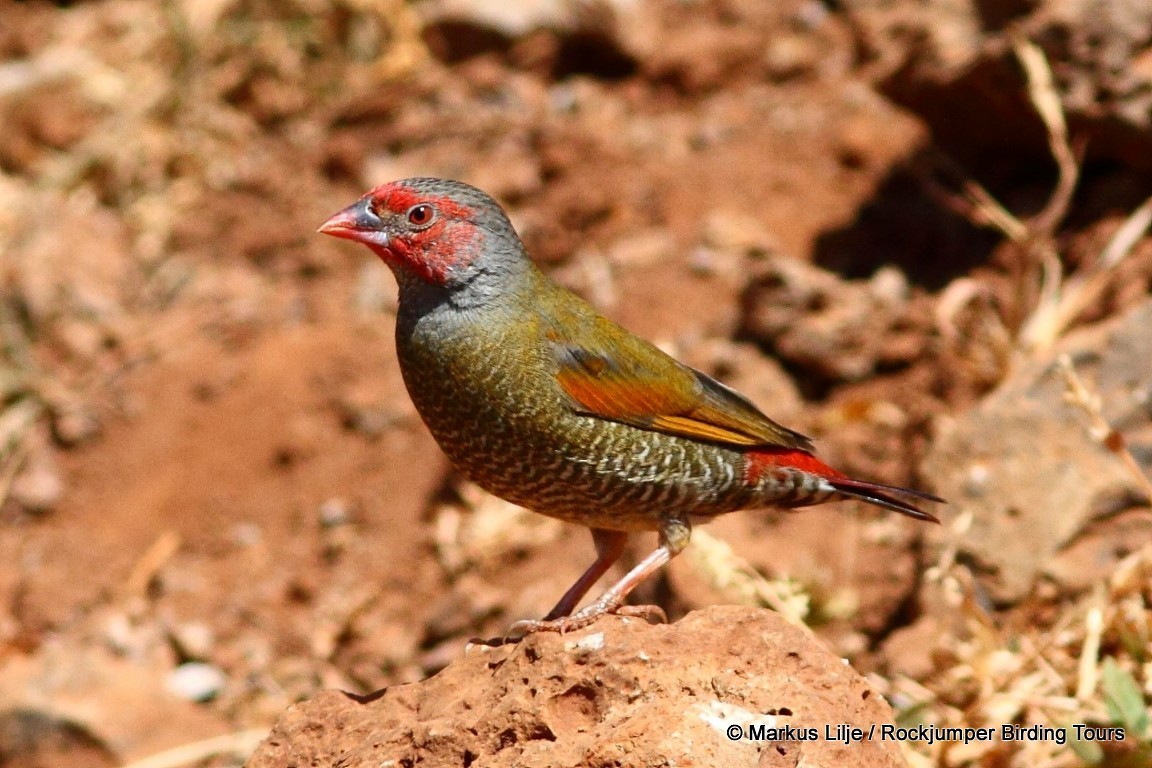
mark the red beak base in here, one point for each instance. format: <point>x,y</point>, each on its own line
<point>357,222</point>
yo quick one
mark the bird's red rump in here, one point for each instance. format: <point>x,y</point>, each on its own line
<point>762,460</point>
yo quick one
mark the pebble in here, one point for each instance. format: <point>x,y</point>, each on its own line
<point>196,681</point>
<point>335,512</point>
<point>195,639</point>
<point>39,487</point>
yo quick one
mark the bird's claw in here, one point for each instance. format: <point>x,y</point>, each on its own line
<point>582,618</point>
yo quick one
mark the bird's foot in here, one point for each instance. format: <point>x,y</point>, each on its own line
<point>583,618</point>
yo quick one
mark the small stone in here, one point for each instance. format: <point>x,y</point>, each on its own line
<point>585,646</point>
<point>247,534</point>
<point>890,285</point>
<point>38,488</point>
<point>194,639</point>
<point>725,230</point>
<point>74,426</point>
<point>811,15</point>
<point>196,681</point>
<point>792,56</point>
<point>977,478</point>
<point>335,512</point>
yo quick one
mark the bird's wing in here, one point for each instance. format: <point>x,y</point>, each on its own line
<point>607,372</point>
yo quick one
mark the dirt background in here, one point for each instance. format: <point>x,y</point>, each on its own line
<point>219,501</point>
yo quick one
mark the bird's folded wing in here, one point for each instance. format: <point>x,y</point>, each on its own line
<point>607,372</point>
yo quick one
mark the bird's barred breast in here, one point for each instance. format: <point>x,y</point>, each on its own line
<point>505,424</point>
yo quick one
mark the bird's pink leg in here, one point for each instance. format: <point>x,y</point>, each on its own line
<point>609,546</point>
<point>674,536</point>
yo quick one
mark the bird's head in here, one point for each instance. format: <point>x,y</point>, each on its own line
<point>444,233</point>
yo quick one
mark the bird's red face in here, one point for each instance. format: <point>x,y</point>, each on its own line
<point>432,236</point>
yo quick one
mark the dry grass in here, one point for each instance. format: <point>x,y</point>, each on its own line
<point>1059,298</point>
<point>1090,665</point>
<point>1092,662</point>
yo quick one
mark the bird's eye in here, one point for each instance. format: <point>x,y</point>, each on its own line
<point>421,215</point>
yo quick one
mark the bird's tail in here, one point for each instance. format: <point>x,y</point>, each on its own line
<point>762,462</point>
<point>886,496</point>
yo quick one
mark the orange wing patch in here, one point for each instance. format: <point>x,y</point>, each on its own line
<point>690,427</point>
<point>645,388</point>
<point>592,384</point>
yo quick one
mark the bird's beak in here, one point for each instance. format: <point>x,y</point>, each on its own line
<point>357,222</point>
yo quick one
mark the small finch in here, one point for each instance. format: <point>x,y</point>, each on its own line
<point>545,403</point>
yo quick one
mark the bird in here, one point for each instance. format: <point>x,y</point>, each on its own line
<point>544,402</point>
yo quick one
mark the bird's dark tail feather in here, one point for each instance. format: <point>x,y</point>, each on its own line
<point>886,496</point>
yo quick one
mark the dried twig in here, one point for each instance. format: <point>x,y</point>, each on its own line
<point>1088,401</point>
<point>146,568</point>
<point>1060,301</point>
<point>1036,235</point>
<point>726,570</point>
<point>1089,668</point>
<point>988,211</point>
<point>1053,315</point>
<point>1046,100</point>
<point>12,464</point>
<point>240,743</point>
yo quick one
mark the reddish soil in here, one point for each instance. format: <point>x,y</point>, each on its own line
<point>241,477</point>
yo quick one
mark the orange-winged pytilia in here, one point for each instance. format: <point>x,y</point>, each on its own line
<point>542,401</point>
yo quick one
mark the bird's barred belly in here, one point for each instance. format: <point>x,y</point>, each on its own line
<point>611,481</point>
<point>527,446</point>
<point>600,473</point>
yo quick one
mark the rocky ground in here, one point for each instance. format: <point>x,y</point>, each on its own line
<point>619,693</point>
<point>914,231</point>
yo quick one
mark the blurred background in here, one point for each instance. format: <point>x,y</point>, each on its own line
<point>917,231</point>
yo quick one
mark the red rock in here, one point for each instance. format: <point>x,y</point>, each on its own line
<point>619,692</point>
